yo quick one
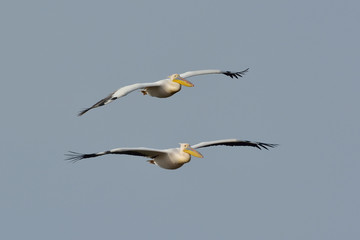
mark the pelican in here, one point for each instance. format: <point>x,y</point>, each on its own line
<point>172,158</point>
<point>162,88</point>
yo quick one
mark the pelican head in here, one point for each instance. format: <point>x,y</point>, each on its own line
<point>176,78</point>
<point>185,147</point>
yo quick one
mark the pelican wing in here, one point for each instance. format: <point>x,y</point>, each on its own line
<point>212,71</point>
<point>120,93</point>
<point>143,152</point>
<point>234,142</point>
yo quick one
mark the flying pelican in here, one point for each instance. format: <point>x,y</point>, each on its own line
<point>163,88</point>
<point>172,158</point>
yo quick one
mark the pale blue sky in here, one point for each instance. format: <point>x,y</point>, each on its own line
<point>302,91</point>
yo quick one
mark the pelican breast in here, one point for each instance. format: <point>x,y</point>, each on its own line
<point>174,159</point>
<point>166,89</point>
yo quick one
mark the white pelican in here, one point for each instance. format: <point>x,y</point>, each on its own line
<point>172,158</point>
<point>163,88</point>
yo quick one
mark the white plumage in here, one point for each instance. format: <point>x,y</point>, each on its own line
<point>172,158</point>
<point>163,88</point>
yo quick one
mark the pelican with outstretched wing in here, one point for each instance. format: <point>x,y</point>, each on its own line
<point>172,158</point>
<point>163,88</point>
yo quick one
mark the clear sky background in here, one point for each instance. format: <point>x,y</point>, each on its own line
<point>302,92</point>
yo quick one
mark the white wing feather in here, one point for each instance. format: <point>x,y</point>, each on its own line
<point>214,71</point>
<point>210,143</point>
<point>200,72</point>
<point>120,93</point>
<point>128,89</point>
<point>234,142</point>
<point>144,152</point>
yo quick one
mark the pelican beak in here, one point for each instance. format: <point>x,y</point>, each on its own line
<point>183,82</point>
<point>193,152</point>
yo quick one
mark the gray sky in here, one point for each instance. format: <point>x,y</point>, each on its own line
<point>302,91</point>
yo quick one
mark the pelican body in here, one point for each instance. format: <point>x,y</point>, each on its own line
<point>172,158</point>
<point>167,88</point>
<point>163,88</point>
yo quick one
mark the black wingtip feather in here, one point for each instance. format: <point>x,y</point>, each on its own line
<point>83,112</point>
<point>100,103</point>
<point>266,145</point>
<point>75,156</point>
<point>236,74</point>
